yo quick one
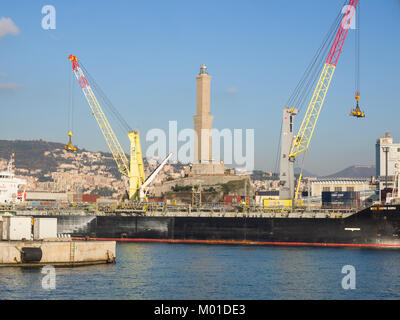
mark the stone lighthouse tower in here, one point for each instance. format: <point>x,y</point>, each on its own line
<point>203,119</point>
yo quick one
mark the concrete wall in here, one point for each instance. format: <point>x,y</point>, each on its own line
<point>60,252</point>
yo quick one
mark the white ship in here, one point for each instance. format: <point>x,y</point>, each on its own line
<point>10,186</point>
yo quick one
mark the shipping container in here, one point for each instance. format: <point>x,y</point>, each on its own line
<point>105,200</point>
<point>77,197</point>
<point>44,228</point>
<point>47,203</point>
<point>230,200</point>
<point>34,203</point>
<point>345,195</point>
<point>345,199</point>
<point>158,200</point>
<point>21,195</point>
<point>346,203</point>
<point>17,228</point>
<point>90,198</point>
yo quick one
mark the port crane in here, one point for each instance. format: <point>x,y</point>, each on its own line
<point>133,169</point>
<point>294,145</point>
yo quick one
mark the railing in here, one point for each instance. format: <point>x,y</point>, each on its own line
<point>161,209</point>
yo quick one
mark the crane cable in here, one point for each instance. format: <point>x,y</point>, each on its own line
<point>70,104</point>
<point>357,53</point>
<point>107,103</point>
<point>310,76</point>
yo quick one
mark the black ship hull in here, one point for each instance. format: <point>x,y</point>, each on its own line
<point>377,226</point>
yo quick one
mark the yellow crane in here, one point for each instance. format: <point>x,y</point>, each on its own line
<point>133,169</point>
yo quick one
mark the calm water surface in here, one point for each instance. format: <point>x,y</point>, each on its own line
<point>183,271</point>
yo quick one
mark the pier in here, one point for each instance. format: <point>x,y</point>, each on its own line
<point>67,253</point>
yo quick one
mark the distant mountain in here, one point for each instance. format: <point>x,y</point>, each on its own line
<point>354,172</point>
<point>305,173</point>
<point>350,172</point>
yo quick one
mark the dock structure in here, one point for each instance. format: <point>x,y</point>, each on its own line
<point>34,241</point>
<point>56,252</point>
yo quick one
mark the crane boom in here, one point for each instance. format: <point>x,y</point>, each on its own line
<point>134,169</point>
<point>144,188</point>
<point>109,135</point>
<point>301,141</point>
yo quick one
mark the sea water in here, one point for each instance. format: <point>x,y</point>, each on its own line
<point>200,271</point>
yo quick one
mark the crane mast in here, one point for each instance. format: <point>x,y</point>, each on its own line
<point>134,169</point>
<point>293,146</point>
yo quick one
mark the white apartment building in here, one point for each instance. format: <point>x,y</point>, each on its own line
<point>387,155</point>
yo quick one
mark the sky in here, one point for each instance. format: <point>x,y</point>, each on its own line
<point>145,55</point>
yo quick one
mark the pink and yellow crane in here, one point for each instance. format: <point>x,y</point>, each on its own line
<point>294,145</point>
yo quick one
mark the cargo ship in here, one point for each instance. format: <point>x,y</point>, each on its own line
<point>374,226</point>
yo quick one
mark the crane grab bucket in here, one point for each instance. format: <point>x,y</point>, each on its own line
<point>356,112</point>
<point>70,147</point>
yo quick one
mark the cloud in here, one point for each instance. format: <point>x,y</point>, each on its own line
<point>7,26</point>
<point>9,86</point>
<point>231,90</point>
<point>3,75</point>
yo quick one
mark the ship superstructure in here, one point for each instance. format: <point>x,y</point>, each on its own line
<point>10,185</point>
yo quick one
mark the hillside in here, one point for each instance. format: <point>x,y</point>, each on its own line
<point>35,155</point>
<point>46,166</point>
<point>30,154</point>
<point>305,173</point>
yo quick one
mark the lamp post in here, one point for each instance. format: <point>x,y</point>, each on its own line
<point>386,151</point>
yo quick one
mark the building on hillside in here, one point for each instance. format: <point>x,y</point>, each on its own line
<point>387,156</point>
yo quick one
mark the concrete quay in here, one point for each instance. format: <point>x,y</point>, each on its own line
<point>56,252</point>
